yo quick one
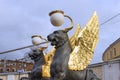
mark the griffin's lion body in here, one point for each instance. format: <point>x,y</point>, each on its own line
<point>59,67</point>
<point>38,57</point>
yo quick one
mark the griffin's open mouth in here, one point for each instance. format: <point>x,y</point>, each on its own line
<point>53,43</point>
<point>32,57</point>
<point>52,40</point>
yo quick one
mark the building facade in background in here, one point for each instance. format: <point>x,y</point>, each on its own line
<point>112,52</point>
<point>109,69</point>
<point>14,66</point>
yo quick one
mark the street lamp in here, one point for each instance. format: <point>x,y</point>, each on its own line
<point>36,40</point>
<point>57,19</point>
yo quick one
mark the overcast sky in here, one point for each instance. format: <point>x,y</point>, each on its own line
<point>20,19</point>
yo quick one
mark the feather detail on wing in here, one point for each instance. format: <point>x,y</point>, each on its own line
<point>72,39</point>
<point>48,59</point>
<point>85,44</point>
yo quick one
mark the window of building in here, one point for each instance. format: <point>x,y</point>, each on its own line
<point>110,54</point>
<point>8,64</point>
<point>20,65</point>
<point>115,51</point>
<point>1,70</point>
<point>8,70</point>
<point>2,63</point>
<point>14,64</point>
<point>107,56</point>
<point>25,65</point>
<point>13,70</point>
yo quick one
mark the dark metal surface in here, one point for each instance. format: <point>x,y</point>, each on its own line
<point>38,57</point>
<point>59,67</point>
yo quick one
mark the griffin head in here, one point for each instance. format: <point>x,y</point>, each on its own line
<point>58,38</point>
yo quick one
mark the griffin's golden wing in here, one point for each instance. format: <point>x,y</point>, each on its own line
<point>85,44</point>
<point>48,59</point>
<point>72,39</point>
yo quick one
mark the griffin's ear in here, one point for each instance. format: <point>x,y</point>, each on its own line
<point>68,29</point>
<point>65,31</point>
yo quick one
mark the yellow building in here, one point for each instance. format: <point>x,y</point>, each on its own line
<point>109,69</point>
<point>112,52</point>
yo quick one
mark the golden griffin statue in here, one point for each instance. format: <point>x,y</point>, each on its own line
<point>83,43</point>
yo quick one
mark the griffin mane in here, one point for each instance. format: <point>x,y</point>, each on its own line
<point>73,56</point>
<point>38,57</point>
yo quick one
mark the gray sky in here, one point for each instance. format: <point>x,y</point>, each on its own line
<point>20,19</point>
